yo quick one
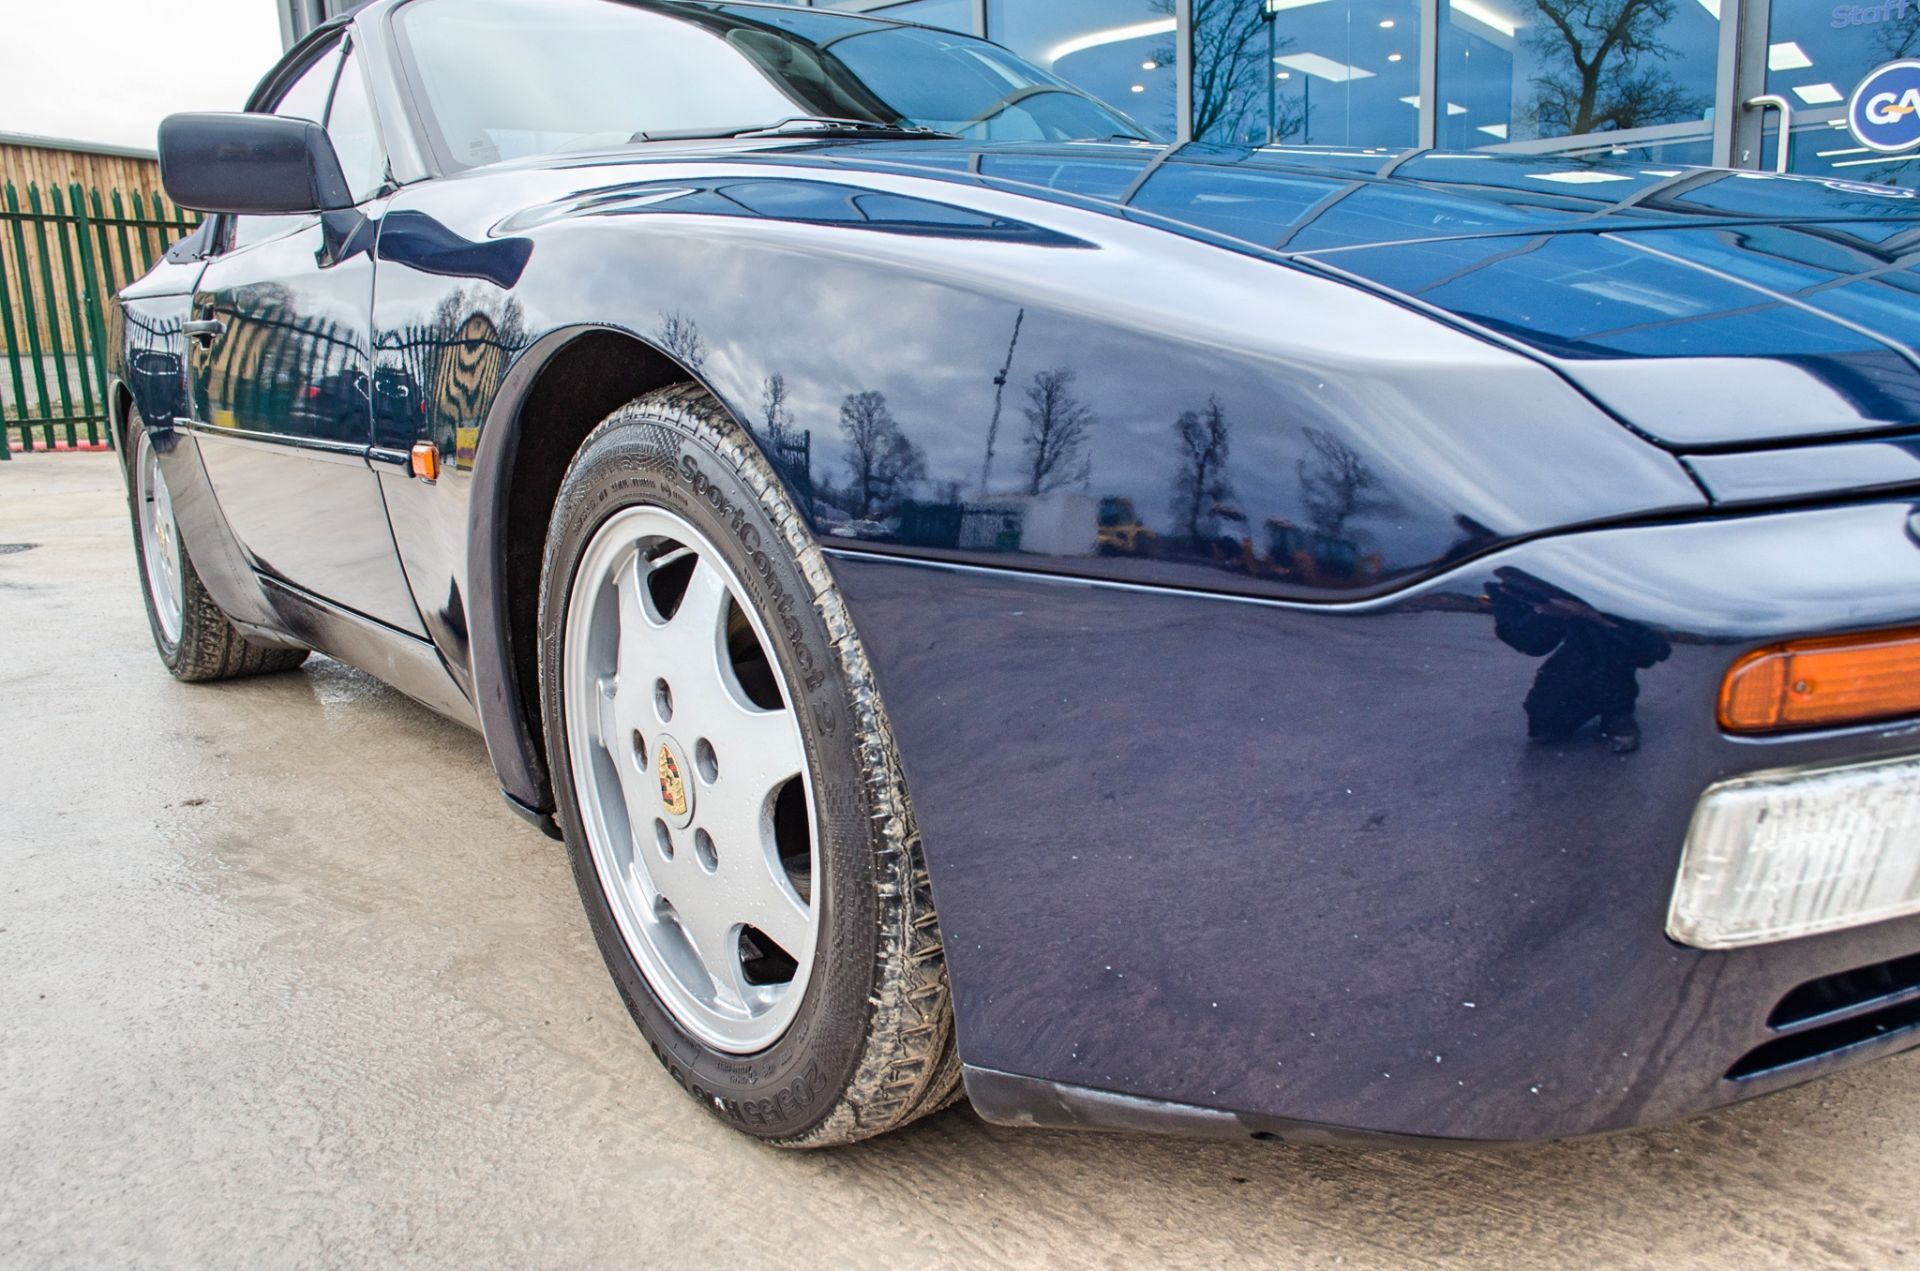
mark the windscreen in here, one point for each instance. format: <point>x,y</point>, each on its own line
<point>504,79</point>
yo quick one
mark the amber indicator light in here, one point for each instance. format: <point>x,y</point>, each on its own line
<point>426,460</point>
<point>1822,683</point>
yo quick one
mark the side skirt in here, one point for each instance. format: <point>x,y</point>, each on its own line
<point>410,664</point>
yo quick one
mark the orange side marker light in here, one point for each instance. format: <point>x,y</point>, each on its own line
<point>1823,683</point>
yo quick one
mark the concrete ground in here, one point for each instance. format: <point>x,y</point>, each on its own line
<point>283,982</point>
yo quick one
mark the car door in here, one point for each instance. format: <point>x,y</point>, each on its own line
<point>281,371</point>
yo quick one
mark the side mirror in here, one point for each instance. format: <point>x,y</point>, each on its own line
<point>259,165</point>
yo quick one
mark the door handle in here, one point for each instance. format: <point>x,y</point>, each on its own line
<point>1773,101</point>
<point>203,329</point>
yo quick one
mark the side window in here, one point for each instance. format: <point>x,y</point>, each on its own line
<point>356,138</point>
<point>305,98</point>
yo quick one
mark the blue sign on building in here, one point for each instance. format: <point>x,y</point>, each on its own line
<point>1884,112</point>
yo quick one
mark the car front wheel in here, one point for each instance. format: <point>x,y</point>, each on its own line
<point>729,791</point>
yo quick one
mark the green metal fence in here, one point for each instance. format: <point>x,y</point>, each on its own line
<point>63,255</point>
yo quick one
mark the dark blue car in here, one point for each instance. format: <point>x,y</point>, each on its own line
<point>1322,644</point>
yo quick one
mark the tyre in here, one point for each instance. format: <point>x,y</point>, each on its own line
<point>729,790</point>
<point>196,640</point>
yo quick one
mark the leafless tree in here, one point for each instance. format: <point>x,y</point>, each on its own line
<point>1202,483</point>
<point>1598,76</point>
<point>680,336</point>
<point>882,463</point>
<point>1057,427</point>
<point>505,318</point>
<point>773,405</point>
<point>789,446</point>
<point>1898,35</point>
<point>1231,73</point>
<point>1336,485</point>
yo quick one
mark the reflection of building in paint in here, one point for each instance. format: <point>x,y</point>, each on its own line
<point>471,365</point>
<point>433,381</point>
<point>1061,524</point>
<point>1078,525</point>
<point>1053,524</point>
<point>988,528</point>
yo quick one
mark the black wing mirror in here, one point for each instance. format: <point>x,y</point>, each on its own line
<point>261,165</point>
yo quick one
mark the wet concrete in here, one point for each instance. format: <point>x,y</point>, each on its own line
<point>285,983</point>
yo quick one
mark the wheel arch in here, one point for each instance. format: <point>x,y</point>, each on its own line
<point>559,389</point>
<point>119,419</point>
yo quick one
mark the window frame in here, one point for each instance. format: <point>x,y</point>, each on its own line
<point>321,43</point>
<point>324,42</point>
<point>349,48</point>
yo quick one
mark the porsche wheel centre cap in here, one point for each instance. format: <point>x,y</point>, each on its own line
<point>676,791</point>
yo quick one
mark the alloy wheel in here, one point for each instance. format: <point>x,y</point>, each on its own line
<point>159,542</point>
<point>691,773</point>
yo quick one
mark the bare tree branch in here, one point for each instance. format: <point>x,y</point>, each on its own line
<point>1057,427</point>
<point>882,462</point>
<point>1202,483</point>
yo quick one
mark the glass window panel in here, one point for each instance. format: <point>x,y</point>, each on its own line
<point>953,15</point>
<point>1854,284</point>
<point>1095,179</point>
<point>500,84</point>
<point>1752,194</point>
<point>1365,161</point>
<point>935,157</point>
<point>1861,233</point>
<point>1889,304</point>
<point>1554,183</point>
<point>505,80</point>
<point>355,136</point>
<point>1250,205</point>
<point>1121,51</point>
<point>1825,148</point>
<point>959,84</point>
<point>305,98</point>
<point>1517,70</point>
<point>1376,213</point>
<point>1773,256</point>
<point>1817,52</point>
<point>1315,72</point>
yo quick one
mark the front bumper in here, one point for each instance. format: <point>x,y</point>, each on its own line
<point>1307,866</point>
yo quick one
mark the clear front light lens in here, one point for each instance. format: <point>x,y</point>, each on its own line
<point>1791,854</point>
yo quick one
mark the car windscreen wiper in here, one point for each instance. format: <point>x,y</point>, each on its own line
<point>801,126</point>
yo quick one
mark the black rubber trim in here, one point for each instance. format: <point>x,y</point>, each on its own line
<point>1004,1098</point>
<point>541,821</point>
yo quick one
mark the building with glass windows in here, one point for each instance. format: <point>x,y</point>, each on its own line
<point>1663,81</point>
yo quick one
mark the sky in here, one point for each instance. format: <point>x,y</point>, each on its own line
<point>109,70</point>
